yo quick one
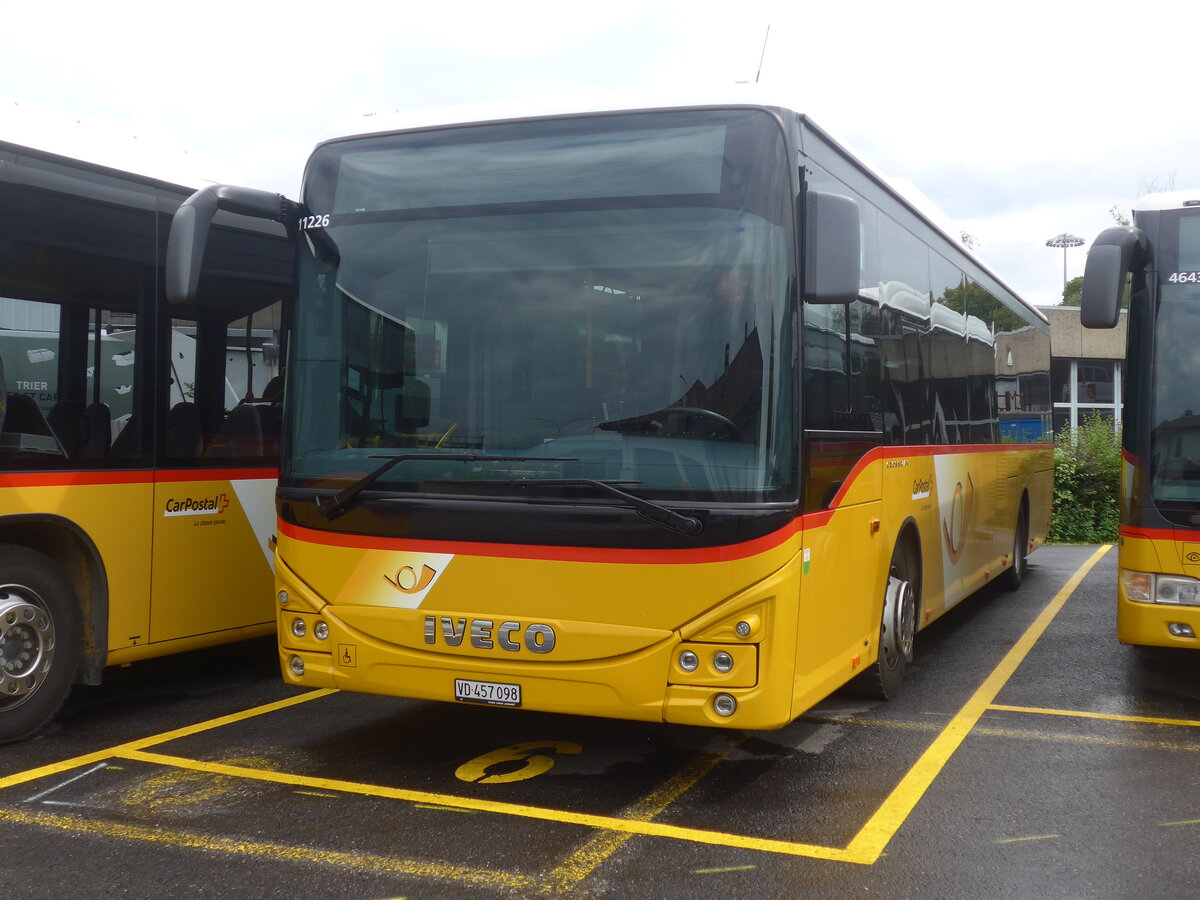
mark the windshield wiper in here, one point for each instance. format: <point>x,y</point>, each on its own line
<point>331,507</point>
<point>648,509</point>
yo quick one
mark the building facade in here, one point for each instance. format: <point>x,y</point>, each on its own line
<point>1086,368</point>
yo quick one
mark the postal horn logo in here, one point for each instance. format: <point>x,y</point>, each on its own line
<point>409,581</point>
<point>954,530</point>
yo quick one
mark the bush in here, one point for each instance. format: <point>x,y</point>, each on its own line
<point>1087,484</point>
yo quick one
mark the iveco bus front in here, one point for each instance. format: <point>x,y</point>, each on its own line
<point>590,413</point>
<point>1158,601</point>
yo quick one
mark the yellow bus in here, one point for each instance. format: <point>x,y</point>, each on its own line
<point>1158,592</point>
<point>138,444</point>
<point>677,414</point>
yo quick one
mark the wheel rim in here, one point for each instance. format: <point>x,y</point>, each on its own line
<point>1019,549</point>
<point>26,644</point>
<point>899,621</point>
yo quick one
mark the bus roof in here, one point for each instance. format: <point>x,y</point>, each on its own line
<point>544,107</point>
<point>1167,200</point>
<point>742,95</point>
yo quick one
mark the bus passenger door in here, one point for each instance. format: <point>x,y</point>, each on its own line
<point>841,595</point>
<point>214,495</point>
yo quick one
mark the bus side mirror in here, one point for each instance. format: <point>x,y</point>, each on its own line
<point>1112,255</point>
<point>831,246</point>
<point>193,221</point>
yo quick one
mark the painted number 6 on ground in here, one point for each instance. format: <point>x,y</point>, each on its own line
<point>516,762</point>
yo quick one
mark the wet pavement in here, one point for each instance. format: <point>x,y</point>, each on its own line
<point>1029,755</point>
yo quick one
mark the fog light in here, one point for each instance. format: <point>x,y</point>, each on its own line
<point>296,664</point>
<point>724,705</point>
<point>688,661</point>
<point>1180,629</point>
<point>283,598</point>
<point>743,629</point>
<point>722,662</point>
<point>321,631</point>
<point>299,629</point>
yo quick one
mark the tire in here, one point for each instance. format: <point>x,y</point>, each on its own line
<point>40,641</point>
<point>902,599</point>
<point>1012,577</point>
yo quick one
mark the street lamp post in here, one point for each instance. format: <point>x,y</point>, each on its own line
<point>1065,240</point>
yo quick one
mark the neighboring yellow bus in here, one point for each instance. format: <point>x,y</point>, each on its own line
<point>138,444</point>
<point>1158,592</point>
<point>677,415</point>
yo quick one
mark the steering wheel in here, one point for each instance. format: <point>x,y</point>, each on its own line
<point>719,428</point>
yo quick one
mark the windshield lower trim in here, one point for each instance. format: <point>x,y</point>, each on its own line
<point>594,521</point>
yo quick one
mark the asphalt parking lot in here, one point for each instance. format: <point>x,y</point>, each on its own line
<point>1030,755</point>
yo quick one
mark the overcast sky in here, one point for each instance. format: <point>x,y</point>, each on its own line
<point>1020,120</point>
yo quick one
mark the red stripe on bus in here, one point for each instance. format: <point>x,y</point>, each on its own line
<point>899,452</point>
<point>62,479</point>
<point>129,476</point>
<point>725,553</point>
<point>164,475</point>
<point>1160,534</point>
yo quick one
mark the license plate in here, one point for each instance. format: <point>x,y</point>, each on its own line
<point>490,692</point>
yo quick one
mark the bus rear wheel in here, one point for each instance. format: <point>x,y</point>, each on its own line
<point>897,630</point>
<point>40,641</point>
<point>1012,577</point>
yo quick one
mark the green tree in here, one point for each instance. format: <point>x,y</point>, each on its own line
<point>972,299</point>
<point>1087,484</point>
<point>1073,291</point>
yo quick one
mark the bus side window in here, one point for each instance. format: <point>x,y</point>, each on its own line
<point>865,367</point>
<point>224,389</point>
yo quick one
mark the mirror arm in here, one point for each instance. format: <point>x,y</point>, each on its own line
<point>192,223</point>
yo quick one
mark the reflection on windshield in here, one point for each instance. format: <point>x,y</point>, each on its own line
<point>592,299</point>
<point>1175,439</point>
<point>643,344</point>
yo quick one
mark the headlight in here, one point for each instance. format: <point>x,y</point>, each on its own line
<point>1177,591</point>
<point>1169,590</point>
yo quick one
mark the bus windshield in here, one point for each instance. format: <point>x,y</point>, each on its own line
<point>1175,434</point>
<point>602,298</point>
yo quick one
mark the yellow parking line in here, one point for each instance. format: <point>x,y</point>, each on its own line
<point>871,841</point>
<point>593,852</point>
<point>101,755</point>
<point>1032,837</point>
<point>588,820</point>
<point>1033,735</point>
<point>357,862</point>
<point>1089,740</point>
<point>865,848</point>
<point>1083,714</point>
